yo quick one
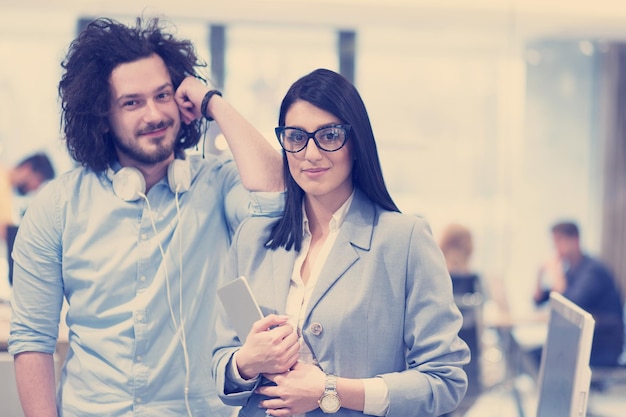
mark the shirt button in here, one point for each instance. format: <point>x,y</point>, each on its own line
<point>142,278</point>
<point>139,317</point>
<point>144,236</point>
<point>316,328</point>
<point>138,400</point>
<point>139,358</point>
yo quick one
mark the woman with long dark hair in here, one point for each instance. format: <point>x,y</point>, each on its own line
<point>359,314</point>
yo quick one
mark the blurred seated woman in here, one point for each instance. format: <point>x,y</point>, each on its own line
<point>457,246</point>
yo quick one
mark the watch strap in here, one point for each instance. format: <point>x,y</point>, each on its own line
<point>331,383</point>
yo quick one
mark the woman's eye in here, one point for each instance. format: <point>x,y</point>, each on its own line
<point>330,135</point>
<point>296,137</point>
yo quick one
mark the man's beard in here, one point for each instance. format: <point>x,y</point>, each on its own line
<point>135,152</point>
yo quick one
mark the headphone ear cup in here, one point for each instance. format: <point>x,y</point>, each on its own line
<point>179,175</point>
<point>128,183</point>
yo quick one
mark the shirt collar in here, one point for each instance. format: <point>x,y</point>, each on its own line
<point>336,220</point>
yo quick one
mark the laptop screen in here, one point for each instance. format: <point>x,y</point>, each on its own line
<point>564,374</point>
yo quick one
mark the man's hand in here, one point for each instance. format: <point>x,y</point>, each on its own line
<point>189,97</point>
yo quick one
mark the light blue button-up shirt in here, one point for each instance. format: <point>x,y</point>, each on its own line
<point>127,317</point>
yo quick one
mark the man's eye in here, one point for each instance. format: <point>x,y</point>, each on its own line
<point>164,96</point>
<point>130,103</point>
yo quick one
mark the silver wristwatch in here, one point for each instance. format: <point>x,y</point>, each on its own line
<point>330,402</point>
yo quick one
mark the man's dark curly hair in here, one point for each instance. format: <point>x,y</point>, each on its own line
<point>84,87</point>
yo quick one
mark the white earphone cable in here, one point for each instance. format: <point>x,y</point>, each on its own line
<point>179,329</point>
<point>180,305</point>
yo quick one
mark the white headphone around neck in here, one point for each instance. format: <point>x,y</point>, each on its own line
<point>130,185</point>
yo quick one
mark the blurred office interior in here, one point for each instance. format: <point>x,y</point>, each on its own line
<point>502,115</point>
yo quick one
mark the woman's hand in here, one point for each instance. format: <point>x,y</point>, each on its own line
<point>271,347</point>
<point>296,392</point>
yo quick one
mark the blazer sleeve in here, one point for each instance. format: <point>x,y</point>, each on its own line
<point>227,342</point>
<point>434,381</point>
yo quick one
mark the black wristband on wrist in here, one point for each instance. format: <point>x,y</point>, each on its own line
<point>205,103</point>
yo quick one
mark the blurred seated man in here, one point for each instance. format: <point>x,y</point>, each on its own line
<point>26,177</point>
<point>19,181</point>
<point>588,283</point>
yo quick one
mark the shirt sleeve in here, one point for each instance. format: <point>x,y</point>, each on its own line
<point>376,397</point>
<point>37,293</point>
<point>268,204</point>
<point>240,203</point>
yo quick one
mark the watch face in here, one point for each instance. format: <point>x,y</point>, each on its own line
<point>330,403</point>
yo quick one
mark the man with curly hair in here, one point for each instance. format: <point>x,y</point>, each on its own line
<point>133,238</point>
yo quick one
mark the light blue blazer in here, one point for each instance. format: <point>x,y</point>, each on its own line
<point>382,306</point>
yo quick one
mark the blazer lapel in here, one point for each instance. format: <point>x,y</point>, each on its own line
<point>355,234</point>
<point>282,267</point>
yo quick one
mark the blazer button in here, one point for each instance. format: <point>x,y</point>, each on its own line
<point>316,328</point>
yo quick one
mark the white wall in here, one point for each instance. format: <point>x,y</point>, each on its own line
<point>32,46</point>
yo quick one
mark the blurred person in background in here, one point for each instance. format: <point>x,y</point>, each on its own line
<point>457,246</point>
<point>19,181</point>
<point>587,282</point>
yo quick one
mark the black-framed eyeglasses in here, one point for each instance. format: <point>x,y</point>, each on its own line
<point>327,138</point>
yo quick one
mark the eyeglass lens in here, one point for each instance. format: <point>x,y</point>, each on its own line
<point>329,139</point>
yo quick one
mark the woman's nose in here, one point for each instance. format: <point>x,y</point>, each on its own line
<point>311,151</point>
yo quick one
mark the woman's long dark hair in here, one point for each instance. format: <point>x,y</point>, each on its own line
<point>333,93</point>
<point>84,87</point>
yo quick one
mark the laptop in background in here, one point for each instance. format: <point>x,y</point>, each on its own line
<point>564,373</point>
